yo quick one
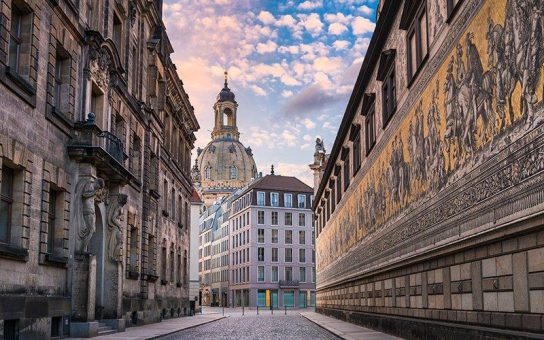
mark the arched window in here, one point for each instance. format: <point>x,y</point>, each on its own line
<point>208,172</point>
<point>233,172</point>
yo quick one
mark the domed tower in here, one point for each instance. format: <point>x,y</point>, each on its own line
<point>225,164</point>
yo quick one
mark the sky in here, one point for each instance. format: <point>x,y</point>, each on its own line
<point>291,64</point>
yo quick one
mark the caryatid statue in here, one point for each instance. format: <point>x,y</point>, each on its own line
<point>89,191</point>
<point>115,217</point>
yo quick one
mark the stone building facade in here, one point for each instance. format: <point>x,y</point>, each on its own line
<point>224,164</point>
<point>429,213</point>
<point>96,133</point>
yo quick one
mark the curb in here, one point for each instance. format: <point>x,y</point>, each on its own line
<point>323,327</point>
<point>190,327</point>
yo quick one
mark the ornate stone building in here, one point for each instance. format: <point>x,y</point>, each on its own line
<point>429,213</point>
<point>224,165</point>
<point>96,133</point>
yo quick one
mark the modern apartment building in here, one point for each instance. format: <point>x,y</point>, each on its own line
<point>214,253</point>
<point>272,259</point>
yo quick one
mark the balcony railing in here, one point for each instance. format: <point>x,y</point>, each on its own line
<point>102,148</point>
<point>289,283</point>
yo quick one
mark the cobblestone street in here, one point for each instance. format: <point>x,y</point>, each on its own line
<point>292,326</point>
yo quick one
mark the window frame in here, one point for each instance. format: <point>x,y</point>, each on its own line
<point>370,126</point>
<point>299,201</point>
<point>274,221</point>
<point>276,202</point>
<point>290,214</point>
<point>261,194</point>
<point>260,213</point>
<point>414,29</point>
<point>389,88</point>
<point>452,9</point>
<point>290,200</point>
<point>9,200</point>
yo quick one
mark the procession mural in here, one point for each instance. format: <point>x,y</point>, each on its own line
<point>487,93</point>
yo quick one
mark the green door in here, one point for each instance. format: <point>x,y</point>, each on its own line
<point>312,299</point>
<point>289,299</point>
<point>275,299</point>
<point>261,298</point>
<point>302,299</point>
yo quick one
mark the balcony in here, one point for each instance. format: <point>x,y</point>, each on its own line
<point>289,283</point>
<point>100,148</point>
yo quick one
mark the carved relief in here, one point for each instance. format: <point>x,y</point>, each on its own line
<point>115,217</point>
<point>88,192</point>
<point>481,98</point>
<point>99,66</point>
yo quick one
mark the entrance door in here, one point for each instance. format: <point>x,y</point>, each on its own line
<point>275,299</point>
<point>97,248</point>
<point>302,299</point>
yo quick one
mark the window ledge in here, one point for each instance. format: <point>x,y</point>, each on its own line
<point>412,80</point>
<point>154,193</point>
<point>164,282</point>
<point>60,120</point>
<point>151,277</point>
<point>132,275</point>
<point>13,252</point>
<point>179,284</point>
<point>19,86</point>
<point>57,261</point>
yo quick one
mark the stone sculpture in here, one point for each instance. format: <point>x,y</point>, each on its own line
<point>115,217</point>
<point>89,191</point>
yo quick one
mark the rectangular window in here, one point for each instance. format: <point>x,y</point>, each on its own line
<point>302,274</point>
<point>274,218</point>
<point>370,131</point>
<point>260,254</point>
<point>417,41</point>
<point>302,255</point>
<point>260,198</point>
<point>260,217</point>
<point>274,273</point>
<point>274,199</point>
<point>260,235</point>
<point>117,35</point>
<point>301,201</point>
<point>274,254</point>
<point>288,237</point>
<point>288,255</point>
<point>260,273</point>
<point>452,8</point>
<point>6,204</point>
<point>20,38</point>
<point>288,274</point>
<point>301,237</point>
<point>288,218</point>
<point>288,198</point>
<point>274,235</point>
<point>313,274</point>
<point>61,82</point>
<point>302,220</point>
<point>347,175</point>
<point>356,153</point>
<point>389,98</point>
<point>55,211</point>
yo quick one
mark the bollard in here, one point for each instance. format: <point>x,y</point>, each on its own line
<point>223,310</point>
<point>272,309</point>
<point>242,309</point>
<point>285,309</point>
<point>257,309</point>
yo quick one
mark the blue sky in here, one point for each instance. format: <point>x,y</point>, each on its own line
<point>291,64</point>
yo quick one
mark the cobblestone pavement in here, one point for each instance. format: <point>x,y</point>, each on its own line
<point>274,327</point>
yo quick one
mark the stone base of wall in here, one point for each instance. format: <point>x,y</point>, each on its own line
<point>138,312</point>
<point>413,328</point>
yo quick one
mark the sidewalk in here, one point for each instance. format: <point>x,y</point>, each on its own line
<point>345,330</point>
<point>165,327</point>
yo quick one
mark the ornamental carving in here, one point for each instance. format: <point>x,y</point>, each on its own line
<point>99,66</point>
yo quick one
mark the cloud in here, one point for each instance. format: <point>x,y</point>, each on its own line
<point>258,90</point>
<point>337,28</point>
<point>308,123</point>
<point>365,10</point>
<point>267,47</point>
<point>286,21</point>
<point>286,93</point>
<point>340,44</point>
<point>266,18</point>
<point>309,5</point>
<point>362,25</point>
<point>312,98</point>
<point>312,23</point>
<point>300,171</point>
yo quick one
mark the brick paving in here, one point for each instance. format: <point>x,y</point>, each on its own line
<point>263,326</point>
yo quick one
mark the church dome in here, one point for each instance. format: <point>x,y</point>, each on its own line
<point>225,95</point>
<point>225,164</point>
